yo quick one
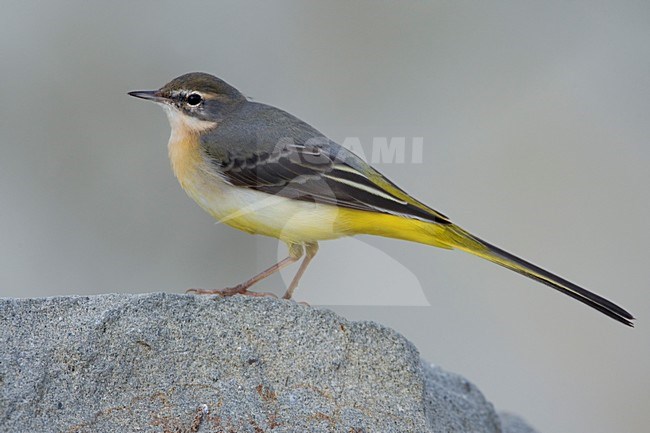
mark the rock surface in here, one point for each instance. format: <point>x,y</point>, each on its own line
<point>182,363</point>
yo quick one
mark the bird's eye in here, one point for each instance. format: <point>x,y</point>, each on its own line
<point>194,99</point>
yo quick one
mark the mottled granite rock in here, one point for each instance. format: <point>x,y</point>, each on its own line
<point>183,363</point>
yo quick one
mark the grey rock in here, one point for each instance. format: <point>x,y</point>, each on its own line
<point>183,363</point>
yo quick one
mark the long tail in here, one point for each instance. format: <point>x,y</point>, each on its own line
<point>462,240</point>
<point>451,236</point>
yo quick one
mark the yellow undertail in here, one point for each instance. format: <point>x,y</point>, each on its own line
<point>450,236</point>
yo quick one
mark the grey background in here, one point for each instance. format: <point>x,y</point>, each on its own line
<point>535,125</point>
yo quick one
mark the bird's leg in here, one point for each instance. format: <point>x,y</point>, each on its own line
<point>311,249</point>
<point>295,252</point>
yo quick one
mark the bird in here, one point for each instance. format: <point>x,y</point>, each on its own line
<point>264,171</point>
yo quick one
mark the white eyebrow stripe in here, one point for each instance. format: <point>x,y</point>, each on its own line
<point>365,188</point>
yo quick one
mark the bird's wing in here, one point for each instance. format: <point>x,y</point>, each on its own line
<point>312,173</point>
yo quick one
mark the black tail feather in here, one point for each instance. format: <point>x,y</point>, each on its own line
<point>530,270</point>
<point>465,241</point>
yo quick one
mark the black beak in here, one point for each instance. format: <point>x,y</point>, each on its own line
<point>151,95</point>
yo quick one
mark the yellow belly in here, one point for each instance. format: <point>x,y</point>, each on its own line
<point>300,221</point>
<point>260,213</point>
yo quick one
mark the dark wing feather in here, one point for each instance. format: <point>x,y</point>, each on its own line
<point>310,173</point>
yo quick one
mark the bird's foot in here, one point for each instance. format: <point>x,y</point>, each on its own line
<point>231,291</point>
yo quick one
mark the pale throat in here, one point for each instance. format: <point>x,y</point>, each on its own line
<point>184,148</point>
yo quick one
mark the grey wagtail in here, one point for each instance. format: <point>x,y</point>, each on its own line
<point>261,170</point>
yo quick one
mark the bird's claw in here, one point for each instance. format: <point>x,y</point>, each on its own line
<point>231,291</point>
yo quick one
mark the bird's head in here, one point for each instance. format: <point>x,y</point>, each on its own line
<point>196,101</point>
